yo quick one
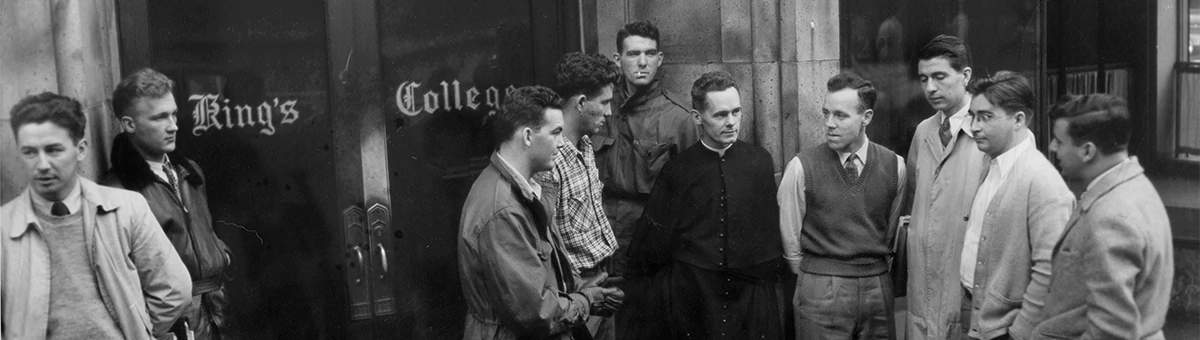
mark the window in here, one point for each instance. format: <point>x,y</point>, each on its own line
<point>1187,75</point>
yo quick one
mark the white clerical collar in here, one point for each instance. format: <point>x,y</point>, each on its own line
<point>720,151</point>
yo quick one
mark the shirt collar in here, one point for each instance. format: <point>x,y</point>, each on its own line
<point>157,167</point>
<point>1106,173</point>
<point>566,148</point>
<point>530,188</point>
<point>720,151</point>
<point>1006,160</point>
<point>72,201</point>
<point>861,152</point>
<point>957,121</point>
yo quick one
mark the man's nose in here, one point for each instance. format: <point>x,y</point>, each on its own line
<point>829,122</point>
<point>975,125</point>
<point>929,87</point>
<point>172,127</point>
<point>43,162</point>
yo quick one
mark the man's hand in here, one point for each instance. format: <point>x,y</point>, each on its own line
<point>604,300</point>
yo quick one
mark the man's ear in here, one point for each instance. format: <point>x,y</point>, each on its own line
<point>1089,150</point>
<point>528,136</point>
<point>967,74</point>
<point>696,116</point>
<point>867,115</point>
<point>617,57</point>
<point>83,147</point>
<point>1021,119</point>
<point>127,124</point>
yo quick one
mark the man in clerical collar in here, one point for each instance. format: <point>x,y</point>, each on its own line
<point>515,274</point>
<point>142,161</point>
<point>1114,266</point>
<point>709,236</point>
<point>839,206</point>
<point>80,260</point>
<point>573,186</point>
<point>1017,215</point>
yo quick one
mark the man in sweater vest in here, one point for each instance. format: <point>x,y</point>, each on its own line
<point>839,204</point>
<point>1018,213</point>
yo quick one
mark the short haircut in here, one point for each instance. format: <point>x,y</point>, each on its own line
<point>710,82</point>
<point>1006,89</point>
<point>950,47</point>
<point>143,83</point>
<point>1098,118</point>
<point>63,111</point>
<point>637,28</point>
<point>851,80</point>
<point>524,107</point>
<point>584,73</point>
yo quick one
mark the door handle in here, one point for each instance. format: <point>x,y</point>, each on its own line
<point>361,265</point>
<point>383,259</point>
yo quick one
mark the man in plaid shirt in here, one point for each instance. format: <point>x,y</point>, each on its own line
<point>585,82</point>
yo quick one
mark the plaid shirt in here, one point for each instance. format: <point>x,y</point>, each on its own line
<point>580,217</point>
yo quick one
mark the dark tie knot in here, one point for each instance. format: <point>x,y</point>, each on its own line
<point>59,209</point>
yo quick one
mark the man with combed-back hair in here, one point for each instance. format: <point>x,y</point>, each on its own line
<point>1017,215</point>
<point>945,168</point>
<point>515,274</point>
<point>709,237</point>
<point>573,186</point>
<point>1114,266</point>
<point>142,161</point>
<point>839,206</point>
<point>80,261</point>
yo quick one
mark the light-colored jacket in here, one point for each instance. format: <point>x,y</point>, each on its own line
<point>943,183</point>
<point>1023,222</point>
<point>1114,267</point>
<point>141,278</point>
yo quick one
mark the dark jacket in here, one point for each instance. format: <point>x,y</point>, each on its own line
<point>516,279</point>
<point>187,223</point>
<point>645,131</point>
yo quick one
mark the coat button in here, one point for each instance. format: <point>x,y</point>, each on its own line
<point>966,218</point>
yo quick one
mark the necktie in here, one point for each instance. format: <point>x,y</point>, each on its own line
<point>59,209</point>
<point>171,177</point>
<point>852,167</point>
<point>944,131</point>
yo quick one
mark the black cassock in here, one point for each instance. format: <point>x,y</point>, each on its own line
<point>709,238</point>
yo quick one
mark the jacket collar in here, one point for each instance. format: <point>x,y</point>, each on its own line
<point>637,98</point>
<point>529,189</point>
<point>1121,173</point>
<point>94,202</point>
<point>133,171</point>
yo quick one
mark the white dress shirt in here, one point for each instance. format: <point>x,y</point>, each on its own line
<point>959,119</point>
<point>998,170</point>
